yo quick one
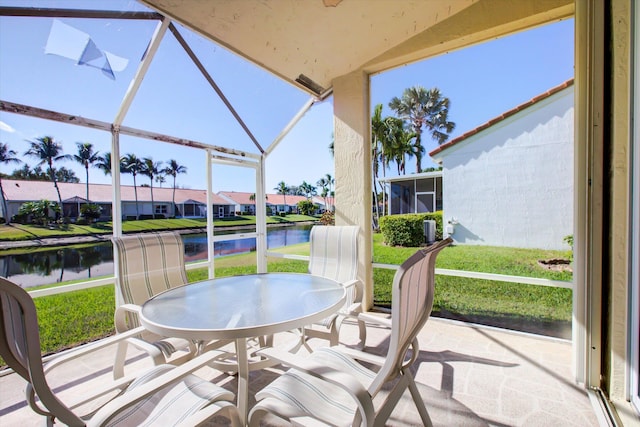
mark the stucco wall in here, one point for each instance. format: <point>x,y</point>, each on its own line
<point>512,184</point>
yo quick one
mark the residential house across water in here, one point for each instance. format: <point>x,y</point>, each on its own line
<point>188,203</point>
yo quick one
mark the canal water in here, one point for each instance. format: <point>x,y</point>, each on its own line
<point>60,264</point>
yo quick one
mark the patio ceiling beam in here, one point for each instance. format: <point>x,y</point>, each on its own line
<point>41,113</point>
<point>26,110</point>
<point>184,142</point>
<point>234,162</point>
<point>77,13</point>
<point>213,84</point>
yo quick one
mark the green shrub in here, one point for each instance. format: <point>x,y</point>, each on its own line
<point>305,207</point>
<point>408,229</point>
<point>39,212</point>
<point>569,241</point>
<point>90,211</point>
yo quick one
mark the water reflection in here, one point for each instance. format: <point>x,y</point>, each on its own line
<point>60,264</point>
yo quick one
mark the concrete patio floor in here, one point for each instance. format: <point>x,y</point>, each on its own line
<point>467,375</point>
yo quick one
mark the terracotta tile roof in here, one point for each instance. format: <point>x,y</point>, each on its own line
<point>23,191</point>
<point>238,197</point>
<point>279,199</point>
<point>321,200</point>
<point>503,116</point>
<point>272,199</point>
<point>19,190</point>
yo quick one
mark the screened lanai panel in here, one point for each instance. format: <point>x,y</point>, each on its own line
<point>84,66</point>
<point>177,98</point>
<point>18,130</point>
<point>42,56</point>
<point>265,102</point>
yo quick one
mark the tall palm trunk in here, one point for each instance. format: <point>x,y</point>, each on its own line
<point>7,217</point>
<point>55,184</point>
<point>135,193</point>
<point>153,210</point>
<point>86,168</point>
<point>173,197</point>
<point>418,153</point>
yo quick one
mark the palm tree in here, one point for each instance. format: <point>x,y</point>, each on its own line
<point>398,144</point>
<point>324,188</point>
<point>48,151</point>
<point>6,156</point>
<point>133,165</point>
<point>283,189</point>
<point>151,169</point>
<point>330,182</point>
<point>104,163</point>
<point>428,108</point>
<point>86,157</point>
<point>332,145</point>
<point>386,136</point>
<point>378,136</point>
<point>307,189</point>
<point>173,169</point>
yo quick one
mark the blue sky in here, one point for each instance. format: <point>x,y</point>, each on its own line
<point>481,81</point>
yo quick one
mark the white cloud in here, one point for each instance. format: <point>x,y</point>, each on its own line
<point>5,127</point>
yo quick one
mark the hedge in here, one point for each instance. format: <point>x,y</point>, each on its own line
<point>408,229</point>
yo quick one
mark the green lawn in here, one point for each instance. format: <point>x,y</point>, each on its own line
<point>14,232</point>
<point>76,317</point>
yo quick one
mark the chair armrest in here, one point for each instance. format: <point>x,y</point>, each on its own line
<point>363,356</point>
<point>380,321</point>
<point>120,316</point>
<point>97,345</point>
<point>350,283</point>
<point>153,386</point>
<point>353,310</point>
<point>341,379</point>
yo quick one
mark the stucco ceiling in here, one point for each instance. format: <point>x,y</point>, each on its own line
<point>311,42</point>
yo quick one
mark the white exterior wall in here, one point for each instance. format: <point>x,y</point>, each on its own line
<point>512,183</point>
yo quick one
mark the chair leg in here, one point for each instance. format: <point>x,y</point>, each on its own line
<point>265,341</point>
<point>334,335</point>
<point>121,357</point>
<point>417,398</point>
<point>303,339</point>
<point>362,327</point>
<point>390,402</point>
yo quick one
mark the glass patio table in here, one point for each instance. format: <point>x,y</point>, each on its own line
<point>242,307</point>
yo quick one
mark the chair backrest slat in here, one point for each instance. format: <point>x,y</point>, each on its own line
<point>334,253</point>
<point>411,304</point>
<point>149,264</point>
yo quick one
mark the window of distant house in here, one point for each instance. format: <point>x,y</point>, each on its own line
<point>161,209</point>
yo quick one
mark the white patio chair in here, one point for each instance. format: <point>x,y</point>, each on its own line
<point>165,395</point>
<point>147,265</point>
<point>331,388</point>
<point>334,255</point>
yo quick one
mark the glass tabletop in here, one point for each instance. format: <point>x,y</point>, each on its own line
<point>242,306</point>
